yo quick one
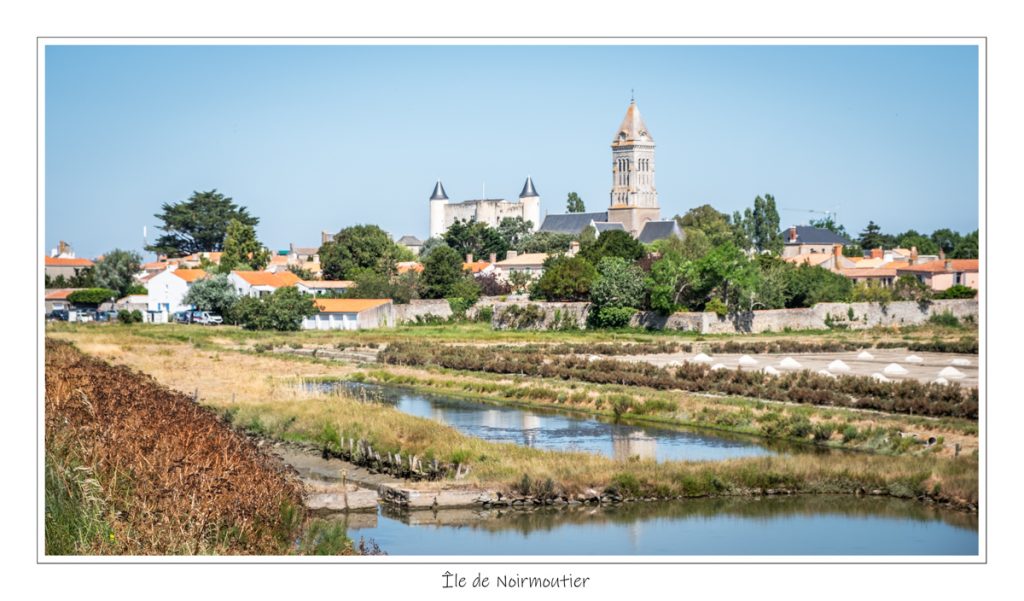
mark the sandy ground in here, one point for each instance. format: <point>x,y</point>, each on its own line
<point>926,371</point>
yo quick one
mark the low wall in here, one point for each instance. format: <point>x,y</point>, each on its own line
<point>823,316</point>
<point>423,309</point>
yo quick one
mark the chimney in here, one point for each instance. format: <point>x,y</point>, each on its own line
<point>574,248</point>
<point>792,233</point>
<point>493,258</point>
<point>913,255</point>
<point>512,254</point>
<point>837,250</point>
<point>948,265</point>
<point>469,257</point>
<point>942,254</point>
<point>877,253</point>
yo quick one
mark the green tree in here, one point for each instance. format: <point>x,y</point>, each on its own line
<point>671,281</point>
<point>946,240</point>
<point>565,279</point>
<point>475,238</point>
<point>214,293</point>
<point>117,270</point>
<point>871,292</point>
<point>924,244</point>
<point>92,296</point>
<point>513,230</point>
<point>574,204</point>
<point>242,251</point>
<point>282,310</point>
<point>400,288</point>
<point>618,284</point>
<point>763,225</point>
<point>545,242</point>
<point>358,248</point>
<point>829,223</point>
<point>909,288</point>
<point>966,247</point>
<point>726,274</point>
<point>198,224</point>
<point>612,243</point>
<point>872,236</point>
<point>430,244</point>
<point>715,225</point>
<point>808,285</point>
<point>442,270</point>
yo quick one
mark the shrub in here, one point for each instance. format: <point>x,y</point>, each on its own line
<point>485,314</point>
<point>945,319</point>
<point>958,291</point>
<point>717,306</point>
<point>612,317</point>
<point>92,296</point>
<point>823,431</point>
<point>850,433</point>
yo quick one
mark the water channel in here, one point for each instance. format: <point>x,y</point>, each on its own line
<point>805,525</point>
<point>563,430</point>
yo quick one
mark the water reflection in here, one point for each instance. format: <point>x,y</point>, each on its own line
<point>798,525</point>
<point>565,431</point>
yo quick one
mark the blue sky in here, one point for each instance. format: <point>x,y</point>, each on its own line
<point>315,138</point>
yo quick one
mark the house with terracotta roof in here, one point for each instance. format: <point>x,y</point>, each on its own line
<point>407,266</point>
<point>55,267</point>
<point>260,283</point>
<point>351,314</point>
<point>480,266</point>
<point>324,287</point>
<point>944,273</point>
<point>167,291</point>
<point>57,299</point>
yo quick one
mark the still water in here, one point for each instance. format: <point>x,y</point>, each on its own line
<point>561,431</point>
<point>798,525</point>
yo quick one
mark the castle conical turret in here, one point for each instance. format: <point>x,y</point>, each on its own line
<point>528,190</point>
<point>439,192</point>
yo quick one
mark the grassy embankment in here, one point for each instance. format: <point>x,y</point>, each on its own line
<point>132,468</point>
<point>272,404</point>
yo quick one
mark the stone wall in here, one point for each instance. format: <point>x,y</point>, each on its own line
<point>423,309</point>
<point>820,317</point>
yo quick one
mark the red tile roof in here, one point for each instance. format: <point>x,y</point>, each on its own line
<point>266,278</point>
<point>939,266</point>
<point>868,272</point>
<point>60,293</point>
<point>58,262</point>
<point>190,275</point>
<point>476,266</point>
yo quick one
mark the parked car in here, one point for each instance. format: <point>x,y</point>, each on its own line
<point>206,318</point>
<point>183,317</point>
<point>58,315</point>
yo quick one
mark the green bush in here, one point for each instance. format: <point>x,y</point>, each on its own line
<point>945,319</point>
<point>957,291</point>
<point>125,316</point>
<point>92,296</point>
<point>485,314</point>
<point>717,306</point>
<point>612,317</point>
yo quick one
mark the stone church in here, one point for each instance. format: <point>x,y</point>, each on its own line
<point>488,210</point>
<point>633,205</point>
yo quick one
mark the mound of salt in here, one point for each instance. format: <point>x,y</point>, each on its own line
<point>701,358</point>
<point>771,371</point>
<point>838,365</point>
<point>880,377</point>
<point>825,372</point>
<point>790,363</point>
<point>961,362</point>
<point>914,359</point>
<point>940,381</point>
<point>593,358</point>
<point>747,361</point>
<point>895,369</point>
<point>865,356</point>
<point>718,366</point>
<point>951,372</point>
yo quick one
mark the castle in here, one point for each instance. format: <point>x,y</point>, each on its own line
<point>488,210</point>
<point>633,199</point>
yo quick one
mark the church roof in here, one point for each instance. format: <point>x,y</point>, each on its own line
<point>659,230</point>
<point>633,129</point>
<point>602,226</point>
<point>571,223</point>
<point>439,192</point>
<point>528,189</point>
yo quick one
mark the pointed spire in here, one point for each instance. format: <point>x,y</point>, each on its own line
<point>439,192</point>
<point>528,189</point>
<point>633,128</point>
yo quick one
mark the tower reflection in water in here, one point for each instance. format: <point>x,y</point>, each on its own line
<point>633,444</point>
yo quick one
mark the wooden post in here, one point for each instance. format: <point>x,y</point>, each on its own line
<point>344,487</point>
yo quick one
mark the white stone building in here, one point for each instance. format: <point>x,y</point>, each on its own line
<point>489,210</point>
<point>168,288</point>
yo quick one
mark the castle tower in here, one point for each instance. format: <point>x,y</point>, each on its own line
<point>438,203</point>
<point>531,203</point>
<point>634,198</point>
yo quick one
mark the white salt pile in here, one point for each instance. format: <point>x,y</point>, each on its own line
<point>865,356</point>
<point>701,358</point>
<point>895,369</point>
<point>940,381</point>
<point>718,366</point>
<point>951,372</point>
<point>790,363</point>
<point>838,365</point>
<point>771,371</point>
<point>825,372</point>
<point>880,377</point>
<point>960,362</point>
<point>914,359</point>
<point>593,358</point>
<point>748,361</point>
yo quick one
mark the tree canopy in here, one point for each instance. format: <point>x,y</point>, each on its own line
<point>358,248</point>
<point>442,271</point>
<point>198,224</point>
<point>282,310</point>
<point>612,243</point>
<point>565,279</point>
<point>117,270</point>
<point>477,238</point>
<point>242,251</point>
<point>574,204</point>
<point>715,226</point>
<point>215,294</point>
